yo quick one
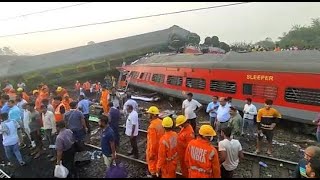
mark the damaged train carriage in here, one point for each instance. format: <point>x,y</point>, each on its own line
<point>288,78</point>
<point>85,61</point>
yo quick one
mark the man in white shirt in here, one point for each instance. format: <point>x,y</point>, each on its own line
<point>25,119</point>
<point>49,126</point>
<point>131,102</point>
<point>49,106</point>
<point>212,109</point>
<point>223,116</point>
<point>249,111</point>
<point>132,126</point>
<point>230,151</point>
<point>190,107</point>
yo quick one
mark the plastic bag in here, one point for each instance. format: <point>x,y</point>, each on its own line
<point>60,171</point>
<point>116,171</point>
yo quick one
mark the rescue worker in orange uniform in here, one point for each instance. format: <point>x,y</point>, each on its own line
<point>201,156</point>
<point>168,151</point>
<point>60,109</point>
<point>24,94</point>
<point>44,92</point>
<point>154,133</point>
<point>37,99</point>
<point>66,102</point>
<point>185,135</point>
<point>61,91</point>
<point>104,99</point>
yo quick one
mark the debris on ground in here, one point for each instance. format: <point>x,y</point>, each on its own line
<point>147,99</point>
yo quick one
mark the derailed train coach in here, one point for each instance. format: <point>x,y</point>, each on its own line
<point>289,78</point>
<point>86,61</point>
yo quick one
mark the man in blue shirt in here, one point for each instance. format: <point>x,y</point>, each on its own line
<point>10,138</point>
<point>212,109</point>
<point>107,141</point>
<point>5,108</point>
<point>114,117</point>
<point>84,106</point>
<point>15,114</point>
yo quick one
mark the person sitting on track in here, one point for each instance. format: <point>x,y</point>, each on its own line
<point>309,152</point>
<point>266,119</point>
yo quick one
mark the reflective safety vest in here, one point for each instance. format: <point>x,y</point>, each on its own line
<point>57,113</point>
<point>202,159</point>
<point>184,137</point>
<point>168,155</point>
<point>155,132</point>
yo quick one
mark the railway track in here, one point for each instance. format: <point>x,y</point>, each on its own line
<point>3,174</point>
<point>249,167</point>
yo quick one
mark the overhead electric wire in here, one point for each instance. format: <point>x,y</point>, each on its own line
<point>44,11</point>
<point>127,19</point>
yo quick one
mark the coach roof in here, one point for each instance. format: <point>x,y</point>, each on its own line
<point>304,61</point>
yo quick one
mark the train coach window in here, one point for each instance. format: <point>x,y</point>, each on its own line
<point>145,76</point>
<point>148,75</point>
<point>174,80</point>
<point>247,89</point>
<point>303,96</point>
<point>159,78</point>
<point>142,76</point>
<point>196,83</point>
<point>134,74</point>
<point>223,86</point>
<point>257,90</point>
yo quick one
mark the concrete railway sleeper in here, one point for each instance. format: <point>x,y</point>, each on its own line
<point>122,156</point>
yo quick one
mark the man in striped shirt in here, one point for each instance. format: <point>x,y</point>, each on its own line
<point>266,119</point>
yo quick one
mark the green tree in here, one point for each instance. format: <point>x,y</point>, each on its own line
<point>302,36</point>
<point>215,41</point>
<point>176,42</point>
<point>224,46</point>
<point>193,39</point>
<point>267,43</point>
<point>208,41</point>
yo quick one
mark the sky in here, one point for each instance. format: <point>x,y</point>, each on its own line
<point>242,23</point>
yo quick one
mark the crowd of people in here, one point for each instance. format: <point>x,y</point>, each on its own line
<point>63,123</point>
<point>49,120</point>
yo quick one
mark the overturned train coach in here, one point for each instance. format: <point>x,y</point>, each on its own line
<point>290,78</point>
